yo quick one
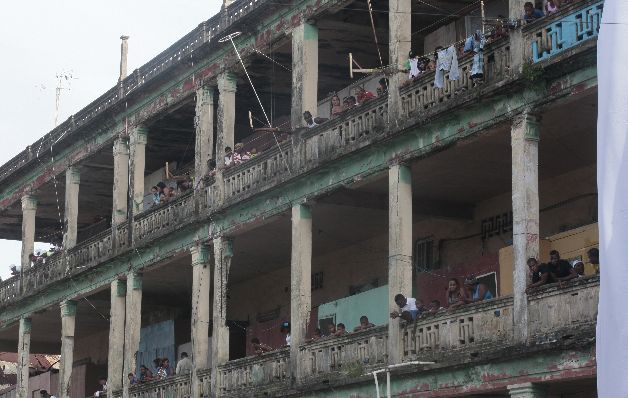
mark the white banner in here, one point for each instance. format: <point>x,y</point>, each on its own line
<point>612,175</point>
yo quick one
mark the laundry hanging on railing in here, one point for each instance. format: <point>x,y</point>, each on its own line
<point>476,43</point>
<point>447,61</point>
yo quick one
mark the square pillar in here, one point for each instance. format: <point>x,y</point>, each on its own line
<point>132,327</point>
<point>70,215</point>
<point>527,390</point>
<point>139,137</point>
<point>201,286</point>
<point>115,365</point>
<point>525,211</point>
<point>223,253</point>
<point>304,73</point>
<point>225,115</point>
<point>120,180</point>
<point>23,358</point>
<point>29,209</point>
<point>399,250</point>
<point>400,40</point>
<point>68,321</point>
<point>204,126</point>
<point>301,282</point>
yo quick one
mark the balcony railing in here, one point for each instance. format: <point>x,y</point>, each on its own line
<point>350,355</point>
<point>242,375</point>
<point>562,31</point>
<point>162,219</point>
<point>476,324</point>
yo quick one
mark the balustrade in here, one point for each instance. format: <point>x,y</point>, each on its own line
<point>560,32</point>
<point>350,355</point>
<point>552,308</point>
<point>162,219</point>
<point>265,169</point>
<point>247,373</point>
<point>475,324</point>
<point>90,252</point>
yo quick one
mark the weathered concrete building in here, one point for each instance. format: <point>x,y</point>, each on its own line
<point>397,195</point>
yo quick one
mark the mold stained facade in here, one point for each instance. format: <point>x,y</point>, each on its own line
<point>397,195</point>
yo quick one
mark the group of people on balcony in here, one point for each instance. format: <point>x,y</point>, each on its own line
<point>560,271</point>
<point>162,370</point>
<point>532,12</point>
<point>360,96</point>
<point>472,291</point>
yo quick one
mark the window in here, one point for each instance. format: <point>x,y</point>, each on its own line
<point>317,280</point>
<point>490,280</point>
<point>425,255</point>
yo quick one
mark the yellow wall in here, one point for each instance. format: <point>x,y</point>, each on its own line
<point>571,245</point>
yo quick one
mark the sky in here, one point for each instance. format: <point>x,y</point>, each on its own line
<point>42,39</point>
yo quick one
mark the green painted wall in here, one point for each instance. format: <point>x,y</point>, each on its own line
<point>372,303</point>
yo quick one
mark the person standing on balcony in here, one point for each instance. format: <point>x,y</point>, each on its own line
<point>184,366</point>
<point>560,269</point>
<point>363,95</point>
<point>476,291</point>
<point>593,267</point>
<point>455,294</point>
<point>285,329</point>
<point>578,266</point>
<point>336,106</point>
<point>44,394</point>
<point>539,273</point>
<point>551,7</point>
<point>364,324</point>
<point>530,13</point>
<point>408,309</point>
<point>101,390</point>
<point>165,370</point>
<point>341,330</point>
<point>311,121</point>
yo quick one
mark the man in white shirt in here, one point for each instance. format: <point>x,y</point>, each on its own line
<point>184,365</point>
<point>44,394</point>
<point>408,309</point>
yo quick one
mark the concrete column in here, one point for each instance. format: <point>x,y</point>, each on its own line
<point>68,320</point>
<point>515,8</point>
<point>137,147</point>
<point>23,358</point>
<point>201,286</point>
<point>120,180</point>
<point>132,326</point>
<point>223,252</point>
<point>527,390</point>
<point>204,124</point>
<point>29,208</point>
<point>70,215</point>
<point>226,115</point>
<point>301,282</point>
<point>525,210</point>
<point>304,72</point>
<point>115,365</point>
<point>399,249</point>
<point>400,27</point>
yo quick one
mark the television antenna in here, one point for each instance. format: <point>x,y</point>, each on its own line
<point>64,82</point>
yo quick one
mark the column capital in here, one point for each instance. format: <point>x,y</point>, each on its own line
<point>120,287</point>
<point>25,325</point>
<point>530,123</point>
<point>139,135</point>
<point>302,210</point>
<point>200,254</point>
<point>227,82</point>
<point>225,245</point>
<point>72,175</point>
<point>68,308</point>
<point>205,93</point>
<point>527,390</point>
<point>136,281</point>
<point>120,146</point>
<point>29,202</point>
